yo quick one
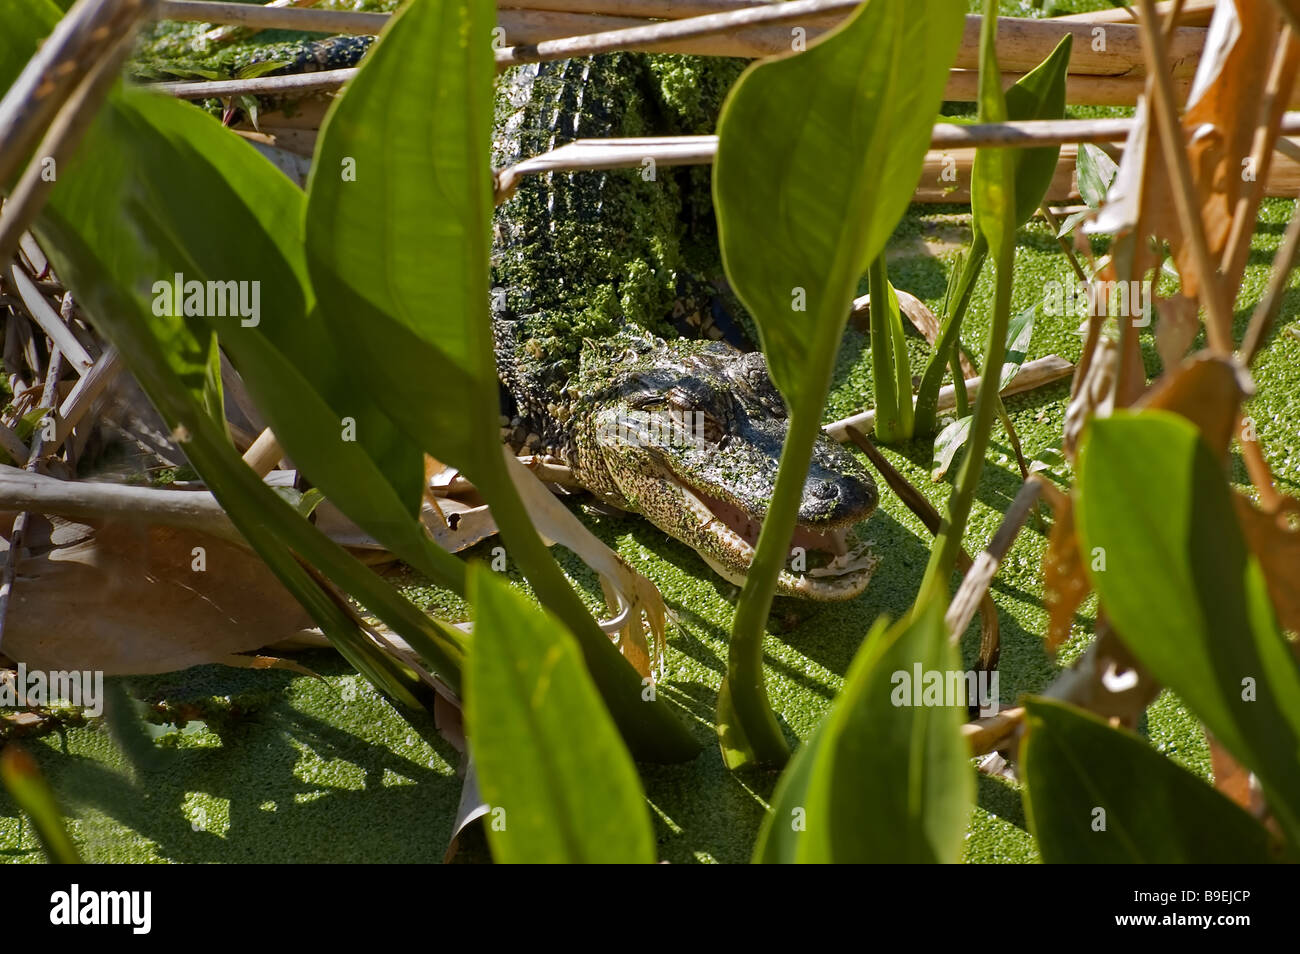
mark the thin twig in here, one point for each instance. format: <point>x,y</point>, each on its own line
<point>49,401</point>
<point>48,320</point>
<point>974,586</point>
<point>79,41</point>
<point>61,140</point>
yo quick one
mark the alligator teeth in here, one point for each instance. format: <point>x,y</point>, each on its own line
<point>843,577</point>
<point>699,509</point>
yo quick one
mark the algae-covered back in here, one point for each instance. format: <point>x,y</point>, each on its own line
<point>580,255</point>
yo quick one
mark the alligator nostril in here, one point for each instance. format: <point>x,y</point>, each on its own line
<point>823,489</point>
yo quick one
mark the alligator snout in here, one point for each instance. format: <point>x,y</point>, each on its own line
<point>833,499</point>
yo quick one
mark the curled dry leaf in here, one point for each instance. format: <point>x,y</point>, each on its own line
<point>456,525</point>
<point>1208,391</point>
<point>1065,584</point>
<point>633,598</point>
<point>1277,545</point>
<point>129,599</point>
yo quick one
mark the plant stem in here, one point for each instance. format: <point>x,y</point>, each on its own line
<point>652,732</point>
<point>888,423</point>
<point>927,398</point>
<point>744,685</point>
<point>944,556</point>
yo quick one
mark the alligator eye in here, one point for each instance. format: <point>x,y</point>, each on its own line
<point>711,427</point>
<point>752,369</point>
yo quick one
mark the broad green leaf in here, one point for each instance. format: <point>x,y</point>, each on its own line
<point>110,249</point>
<point>398,226</point>
<point>1097,795</point>
<point>1039,94</point>
<point>1166,555</point>
<point>559,783</point>
<point>950,440</point>
<point>31,793</point>
<point>883,779</point>
<point>818,155</point>
<point>398,233</point>
<point>161,360</point>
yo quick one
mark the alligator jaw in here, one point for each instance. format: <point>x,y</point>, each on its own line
<point>734,532</point>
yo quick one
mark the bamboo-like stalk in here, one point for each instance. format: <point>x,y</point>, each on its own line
<point>91,500</point>
<point>648,9</point>
<point>61,140</point>
<point>1033,374</point>
<point>1191,13</point>
<point>728,28</point>
<point>79,40</point>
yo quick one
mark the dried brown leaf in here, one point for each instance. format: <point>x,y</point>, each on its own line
<point>1065,584</point>
<point>1175,328</point>
<point>128,599</point>
<point>1205,389</point>
<point>1277,545</point>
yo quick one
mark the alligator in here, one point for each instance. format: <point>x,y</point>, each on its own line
<point>596,275</point>
<point>588,269</point>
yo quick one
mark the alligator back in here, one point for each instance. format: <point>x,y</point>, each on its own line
<point>579,256</point>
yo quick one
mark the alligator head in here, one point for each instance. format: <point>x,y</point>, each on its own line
<point>689,434</point>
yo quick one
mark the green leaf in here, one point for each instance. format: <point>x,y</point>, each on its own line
<point>398,225</point>
<point>1070,221</point>
<point>1020,331</point>
<point>254,70</point>
<point>1096,171</point>
<point>1039,94</point>
<point>31,793</point>
<point>1097,795</point>
<point>817,159</point>
<point>112,241</point>
<point>560,784</point>
<point>882,779</point>
<point>398,234</point>
<point>1166,555</point>
<point>818,156</point>
<point>950,440</point>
